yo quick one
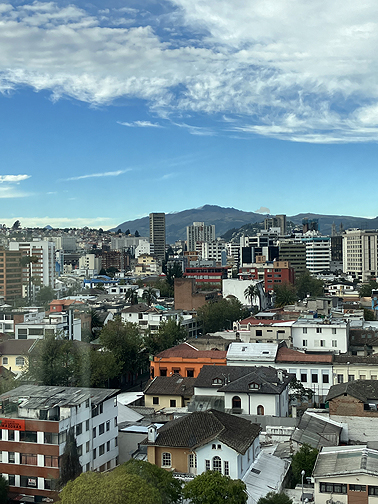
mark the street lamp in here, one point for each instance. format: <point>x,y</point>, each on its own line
<point>303,472</point>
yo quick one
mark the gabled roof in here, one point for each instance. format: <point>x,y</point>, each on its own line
<point>344,460</point>
<point>239,378</point>
<point>187,351</point>
<point>16,347</point>
<point>170,385</point>
<point>360,389</point>
<point>285,354</point>
<point>136,308</point>
<point>317,431</point>
<point>202,427</point>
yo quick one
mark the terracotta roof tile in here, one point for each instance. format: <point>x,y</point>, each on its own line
<point>187,351</point>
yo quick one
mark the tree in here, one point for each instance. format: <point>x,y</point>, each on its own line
<point>211,487</point>
<point>284,294</point>
<point>111,271</point>
<point>368,314</point>
<point>102,272</point>
<point>174,271</point>
<point>169,488</point>
<point>275,498</point>
<point>70,467</point>
<point>114,487</point>
<point>303,460</point>
<point>169,334</point>
<point>306,285</point>
<point>149,295</point>
<point>132,296</point>
<point>220,314</point>
<point>45,295</point>
<point>299,392</point>
<point>136,234</point>
<point>4,488</point>
<point>126,343</point>
<point>366,288</point>
<point>127,232</point>
<point>16,225</point>
<point>251,292</point>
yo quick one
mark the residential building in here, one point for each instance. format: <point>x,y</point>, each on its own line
<point>211,274</point>
<point>33,427</point>
<point>65,242</point>
<point>279,221</point>
<point>9,317</point>
<point>43,269</point>
<point>318,253</point>
<point>60,323</point>
<point>253,330</point>
<point>157,234</point>
<point>14,354</point>
<point>248,390</point>
<point>294,253</point>
<point>185,360</point>
<point>10,274</point>
<point>148,265</point>
<point>360,253</point>
<point>188,297</point>
<point>214,251</point>
<point>279,272</point>
<point>91,263</point>
<point>172,391</point>
<point>119,259</point>
<point>202,441</point>
<point>144,248</point>
<point>352,367</point>
<point>346,474</point>
<point>320,335</point>
<point>199,233</point>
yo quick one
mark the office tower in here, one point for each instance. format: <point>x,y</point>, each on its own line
<point>42,268</point>
<point>279,221</point>
<point>11,277</point>
<point>360,253</point>
<point>199,233</point>
<point>157,234</point>
<point>295,254</point>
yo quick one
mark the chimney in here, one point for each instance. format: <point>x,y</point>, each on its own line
<point>152,433</point>
<point>280,375</point>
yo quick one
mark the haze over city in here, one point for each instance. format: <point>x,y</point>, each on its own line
<point>111,113</point>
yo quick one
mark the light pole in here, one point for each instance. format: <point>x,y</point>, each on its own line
<point>303,472</point>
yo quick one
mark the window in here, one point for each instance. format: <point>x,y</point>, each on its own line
<point>258,332</point>
<point>94,432</point>
<point>5,361</point>
<point>373,377</point>
<point>11,435</point>
<point>217,464</point>
<point>334,343</point>
<point>62,437</point>
<point>213,446</point>
<point>372,490</point>
<point>48,484</point>
<point>190,373</point>
<point>226,468</point>
<point>94,453</point>
<point>20,361</point>
<point>304,342</point>
<point>28,459</point>
<point>176,370</point>
<point>11,457</point>
<point>322,342</point>
<point>333,488</point>
<point>163,372</point>
<point>318,330</point>
<point>87,425</point>
<point>88,467</point>
<point>217,381</point>
<point>304,330</point>
<point>11,479</point>
<point>172,403</point>
<point>87,446</point>
<point>79,429</point>
<point>28,436</point>
<point>166,460</point>
<point>325,378</point>
<point>260,410</point>
<point>80,450</point>
<point>101,450</point>
<point>108,446</point>
<point>333,330</point>
<point>51,461</point>
<point>192,460</point>
<point>101,429</point>
<point>357,488</point>
<point>207,465</point>
<point>303,376</point>
<point>314,377</point>
<point>49,438</point>
<point>351,377</point>
<point>236,402</point>
<point>253,386</point>
<point>362,377</point>
<point>155,400</point>
<point>340,378</point>
<point>25,481</point>
<point>108,426</point>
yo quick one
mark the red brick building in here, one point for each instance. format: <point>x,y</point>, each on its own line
<point>280,272</point>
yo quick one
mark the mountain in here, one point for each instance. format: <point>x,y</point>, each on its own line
<point>228,218</point>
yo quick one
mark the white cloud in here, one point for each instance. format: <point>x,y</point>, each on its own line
<point>291,69</point>
<point>13,178</point>
<point>140,124</point>
<point>263,210</point>
<point>95,175</point>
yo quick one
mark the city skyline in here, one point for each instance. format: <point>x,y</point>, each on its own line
<point>109,114</point>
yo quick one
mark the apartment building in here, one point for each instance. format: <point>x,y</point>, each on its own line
<point>33,429</point>
<point>295,254</point>
<point>318,253</point>
<point>60,323</point>
<point>198,232</point>
<point>360,253</point>
<point>10,274</point>
<point>157,234</point>
<point>43,268</point>
<point>318,335</point>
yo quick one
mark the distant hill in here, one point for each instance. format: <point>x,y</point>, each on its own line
<point>226,219</point>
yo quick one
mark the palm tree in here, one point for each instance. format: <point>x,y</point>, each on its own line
<point>149,295</point>
<point>131,296</point>
<point>252,291</point>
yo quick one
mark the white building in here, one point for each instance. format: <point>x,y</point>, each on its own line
<point>58,324</point>
<point>34,433</point>
<point>199,232</point>
<point>360,253</point>
<point>144,247</point>
<point>91,263</point>
<point>320,335</point>
<point>214,251</point>
<point>318,253</point>
<point>44,267</point>
<point>236,287</point>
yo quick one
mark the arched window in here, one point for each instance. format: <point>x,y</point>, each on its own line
<point>217,464</point>
<point>5,361</point>
<point>260,410</point>
<point>166,460</point>
<point>20,361</point>
<point>236,402</point>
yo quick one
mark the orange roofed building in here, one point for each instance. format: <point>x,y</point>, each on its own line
<point>185,360</point>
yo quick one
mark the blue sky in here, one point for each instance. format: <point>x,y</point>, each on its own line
<point>107,114</point>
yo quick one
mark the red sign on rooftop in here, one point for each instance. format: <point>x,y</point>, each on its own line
<point>12,424</point>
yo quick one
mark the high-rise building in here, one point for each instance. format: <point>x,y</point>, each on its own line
<point>275,222</point>
<point>318,253</point>
<point>11,274</point>
<point>157,234</point>
<point>360,253</point>
<point>199,233</point>
<point>42,267</point>
<point>295,254</point>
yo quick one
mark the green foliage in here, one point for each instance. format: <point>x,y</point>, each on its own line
<point>284,294</point>
<point>219,315</point>
<point>366,288</point>
<point>45,295</point>
<point>131,296</point>
<point>102,272</point>
<point>70,467</point>
<point>211,487</point>
<point>303,460</point>
<point>149,295</point>
<point>4,488</point>
<point>174,271</point>
<point>275,498</point>
<point>169,488</point>
<point>114,487</point>
<point>125,342</point>
<point>250,292</point>
<point>368,314</point>
<point>104,366</point>
<point>307,284</point>
<point>165,289</point>
<point>111,271</point>
<point>299,392</point>
<point>169,334</point>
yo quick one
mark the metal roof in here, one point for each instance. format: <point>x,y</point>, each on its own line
<point>344,460</point>
<point>264,352</point>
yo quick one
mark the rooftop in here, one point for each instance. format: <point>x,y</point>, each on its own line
<point>285,354</point>
<point>360,389</point>
<point>171,385</point>
<point>187,351</point>
<point>345,460</point>
<point>257,351</point>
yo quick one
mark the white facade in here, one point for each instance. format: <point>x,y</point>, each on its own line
<point>90,262</point>
<point>214,251</point>
<point>144,247</point>
<point>199,232</point>
<point>236,287</point>
<point>318,253</point>
<point>55,324</point>
<point>44,268</point>
<point>360,253</point>
<point>317,335</point>
<point>151,320</point>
